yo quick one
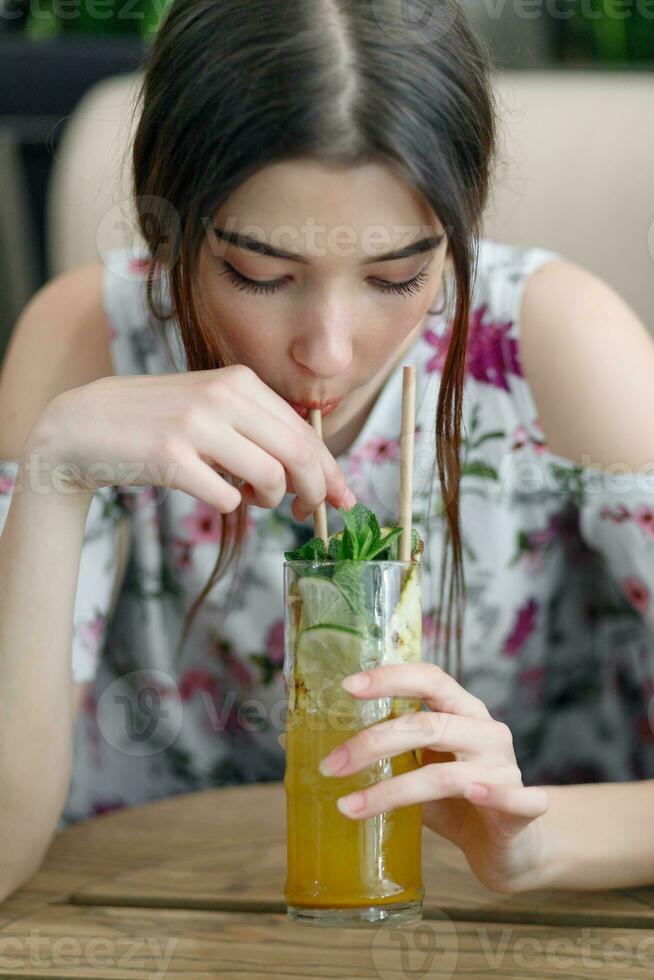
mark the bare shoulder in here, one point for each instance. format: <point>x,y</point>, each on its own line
<point>61,341</point>
<point>589,361</point>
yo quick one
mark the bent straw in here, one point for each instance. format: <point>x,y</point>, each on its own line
<point>407,441</point>
<point>320,515</point>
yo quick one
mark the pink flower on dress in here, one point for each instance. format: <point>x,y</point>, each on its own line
<point>232,662</point>
<point>92,632</point>
<point>182,554</point>
<point>644,518</point>
<point>429,624</point>
<point>521,438</point>
<point>275,642</point>
<point>377,450</point>
<point>139,265</point>
<point>525,625</point>
<point>106,806</point>
<point>89,703</point>
<point>532,679</point>
<point>204,524</point>
<point>432,628</point>
<point>620,514</point>
<point>197,679</point>
<point>539,440</point>
<point>7,484</point>
<point>491,355</point>
<point>636,592</point>
<point>221,706</point>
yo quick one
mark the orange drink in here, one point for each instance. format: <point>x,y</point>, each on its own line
<point>345,871</point>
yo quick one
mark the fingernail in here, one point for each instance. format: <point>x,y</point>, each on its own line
<point>356,682</point>
<point>348,500</point>
<point>301,513</point>
<point>334,762</point>
<point>349,805</point>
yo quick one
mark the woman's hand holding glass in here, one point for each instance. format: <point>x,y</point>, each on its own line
<point>469,783</point>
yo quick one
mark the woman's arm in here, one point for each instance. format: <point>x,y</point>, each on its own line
<point>590,364</point>
<point>60,342</point>
<point>599,835</point>
<point>40,552</point>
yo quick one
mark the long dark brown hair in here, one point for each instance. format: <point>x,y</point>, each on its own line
<point>231,86</point>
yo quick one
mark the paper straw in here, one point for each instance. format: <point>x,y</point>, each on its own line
<point>407,441</point>
<point>320,515</point>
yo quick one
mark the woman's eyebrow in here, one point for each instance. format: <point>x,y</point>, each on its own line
<point>250,244</point>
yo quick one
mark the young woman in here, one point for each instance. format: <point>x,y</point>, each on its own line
<point>310,179</point>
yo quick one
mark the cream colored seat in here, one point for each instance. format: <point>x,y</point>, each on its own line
<point>576,174</point>
<point>89,207</point>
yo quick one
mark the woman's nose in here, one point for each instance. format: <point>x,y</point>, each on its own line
<point>326,350</point>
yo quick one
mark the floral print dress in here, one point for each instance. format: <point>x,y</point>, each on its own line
<point>559,567</point>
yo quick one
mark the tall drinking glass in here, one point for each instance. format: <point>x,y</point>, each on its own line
<point>341,617</point>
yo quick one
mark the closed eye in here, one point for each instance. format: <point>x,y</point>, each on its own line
<point>247,285</point>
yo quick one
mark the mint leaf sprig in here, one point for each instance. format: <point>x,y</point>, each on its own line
<point>360,540</point>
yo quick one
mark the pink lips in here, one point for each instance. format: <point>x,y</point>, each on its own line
<point>326,408</point>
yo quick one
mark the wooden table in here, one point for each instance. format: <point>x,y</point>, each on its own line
<point>192,886</point>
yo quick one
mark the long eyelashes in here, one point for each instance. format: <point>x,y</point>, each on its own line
<point>250,286</point>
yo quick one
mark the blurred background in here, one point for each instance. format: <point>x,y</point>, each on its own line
<point>577,93</point>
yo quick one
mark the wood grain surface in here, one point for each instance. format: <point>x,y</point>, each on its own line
<point>207,871</point>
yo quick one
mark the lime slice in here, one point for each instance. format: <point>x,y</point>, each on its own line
<point>324,603</point>
<point>404,634</point>
<point>327,654</point>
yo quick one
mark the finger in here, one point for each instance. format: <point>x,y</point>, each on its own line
<point>282,740</point>
<point>301,514</point>
<point>313,479</point>
<point>293,434</point>
<point>474,738</point>
<point>432,782</point>
<point>427,681</point>
<point>312,471</point>
<point>247,461</point>
<point>193,476</point>
<point>518,801</point>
